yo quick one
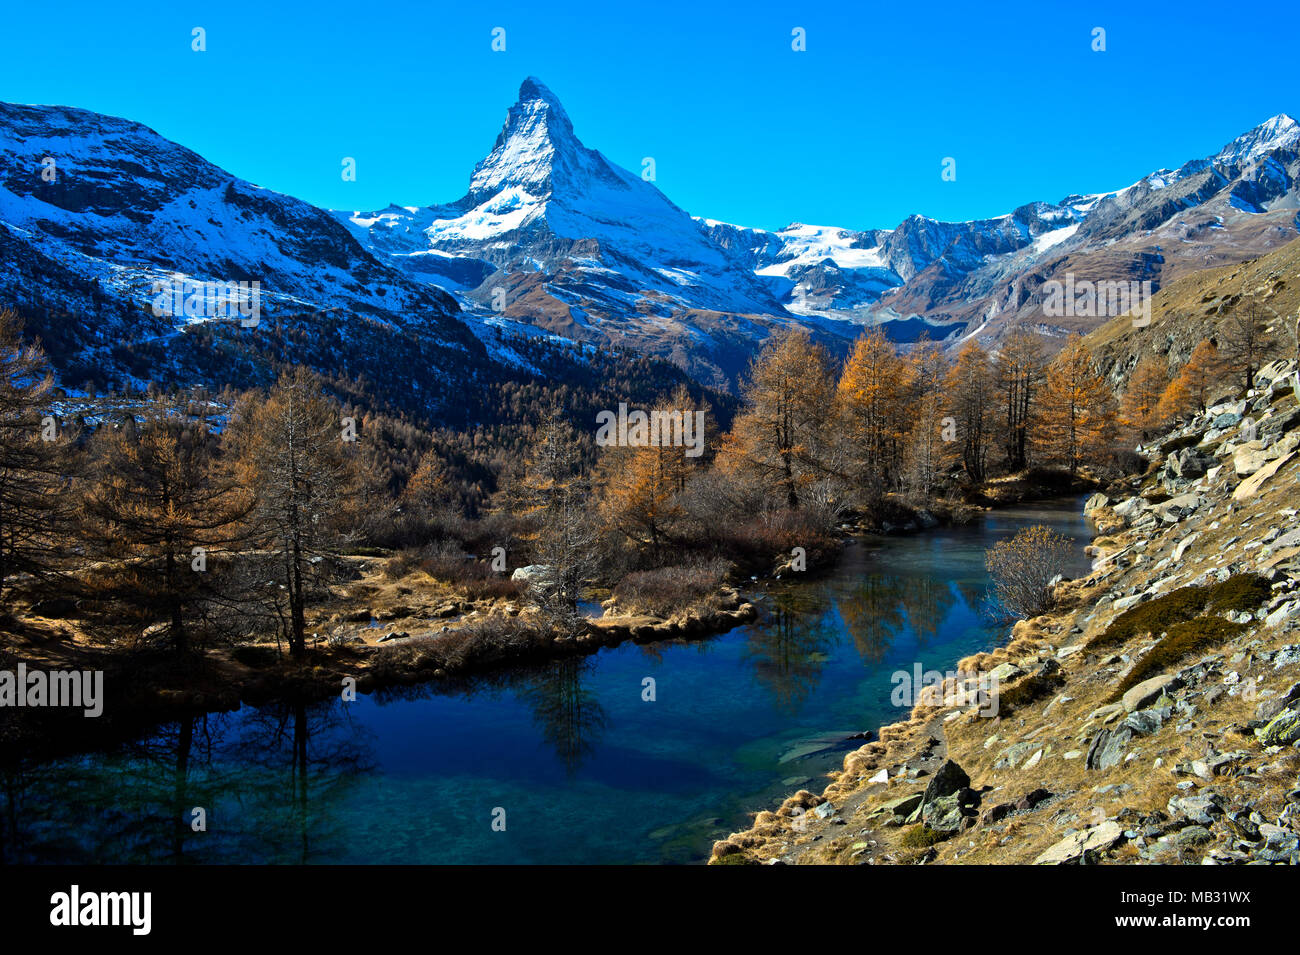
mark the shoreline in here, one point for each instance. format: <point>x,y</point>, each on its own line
<point>1151,716</point>
<point>149,688</point>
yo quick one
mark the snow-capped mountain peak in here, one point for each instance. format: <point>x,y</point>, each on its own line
<point>536,137</point>
<point>541,201</point>
<point>1278,132</point>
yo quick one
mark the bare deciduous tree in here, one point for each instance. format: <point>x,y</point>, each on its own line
<point>294,454</point>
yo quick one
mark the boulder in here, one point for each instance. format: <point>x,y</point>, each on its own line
<point>1004,672</point>
<point>1031,799</point>
<point>1183,544</point>
<point>1283,613</point>
<point>1282,730</point>
<point>1078,846</point>
<point>1187,464</point>
<point>949,778</point>
<point>1247,460</point>
<point>1272,707</point>
<point>1146,722</point>
<point>1129,508</point>
<point>1289,539</point>
<point>950,813</point>
<point>1176,508</point>
<point>1148,691</point>
<point>902,807</point>
<point>1109,747</point>
<point>1273,371</point>
<point>1201,809</point>
<point>540,574</point>
<point>1250,487</point>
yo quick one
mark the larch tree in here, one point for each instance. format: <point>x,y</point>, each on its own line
<point>643,485</point>
<point>784,434</point>
<point>34,462</point>
<point>1192,388</point>
<point>160,503</point>
<point>1077,408</point>
<point>430,495</point>
<point>556,495</point>
<point>296,452</point>
<point>1245,339</point>
<point>873,395</point>
<point>1019,372</point>
<point>927,454</point>
<point>1140,411</point>
<point>972,403</point>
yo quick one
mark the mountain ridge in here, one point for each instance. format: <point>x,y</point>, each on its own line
<point>552,238</point>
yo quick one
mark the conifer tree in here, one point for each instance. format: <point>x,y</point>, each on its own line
<point>972,402</point>
<point>556,495</point>
<point>927,452</point>
<point>34,461</point>
<point>1140,410</point>
<point>1192,388</point>
<point>1019,370</point>
<point>873,395</point>
<point>1245,338</point>
<point>297,455</point>
<point>784,436</point>
<point>643,485</point>
<point>1077,409</point>
<point>161,503</point>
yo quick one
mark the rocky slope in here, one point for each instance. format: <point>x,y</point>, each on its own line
<point>1152,717</point>
<point>1193,308</point>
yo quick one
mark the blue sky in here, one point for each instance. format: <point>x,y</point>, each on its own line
<point>851,132</point>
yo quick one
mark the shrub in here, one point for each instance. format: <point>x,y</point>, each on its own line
<point>1021,568</point>
<point>1181,640</point>
<point>666,590</point>
<point>487,642</point>
<point>922,837</point>
<point>1154,616</point>
<point>1238,593</point>
<point>446,562</point>
<point>1043,683</point>
<point>756,542</point>
<point>735,858</point>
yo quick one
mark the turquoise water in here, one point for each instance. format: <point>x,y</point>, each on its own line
<point>569,757</point>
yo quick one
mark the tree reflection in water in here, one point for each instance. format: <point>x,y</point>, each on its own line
<point>253,772</point>
<point>927,602</point>
<point>872,610</point>
<point>790,644</point>
<point>564,710</point>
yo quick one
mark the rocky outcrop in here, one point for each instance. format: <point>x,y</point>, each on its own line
<point>1170,736</point>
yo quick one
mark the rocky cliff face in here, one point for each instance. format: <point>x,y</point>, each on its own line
<point>1152,717</point>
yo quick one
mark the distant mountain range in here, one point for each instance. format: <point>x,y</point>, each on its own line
<point>553,239</point>
<point>552,234</point>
